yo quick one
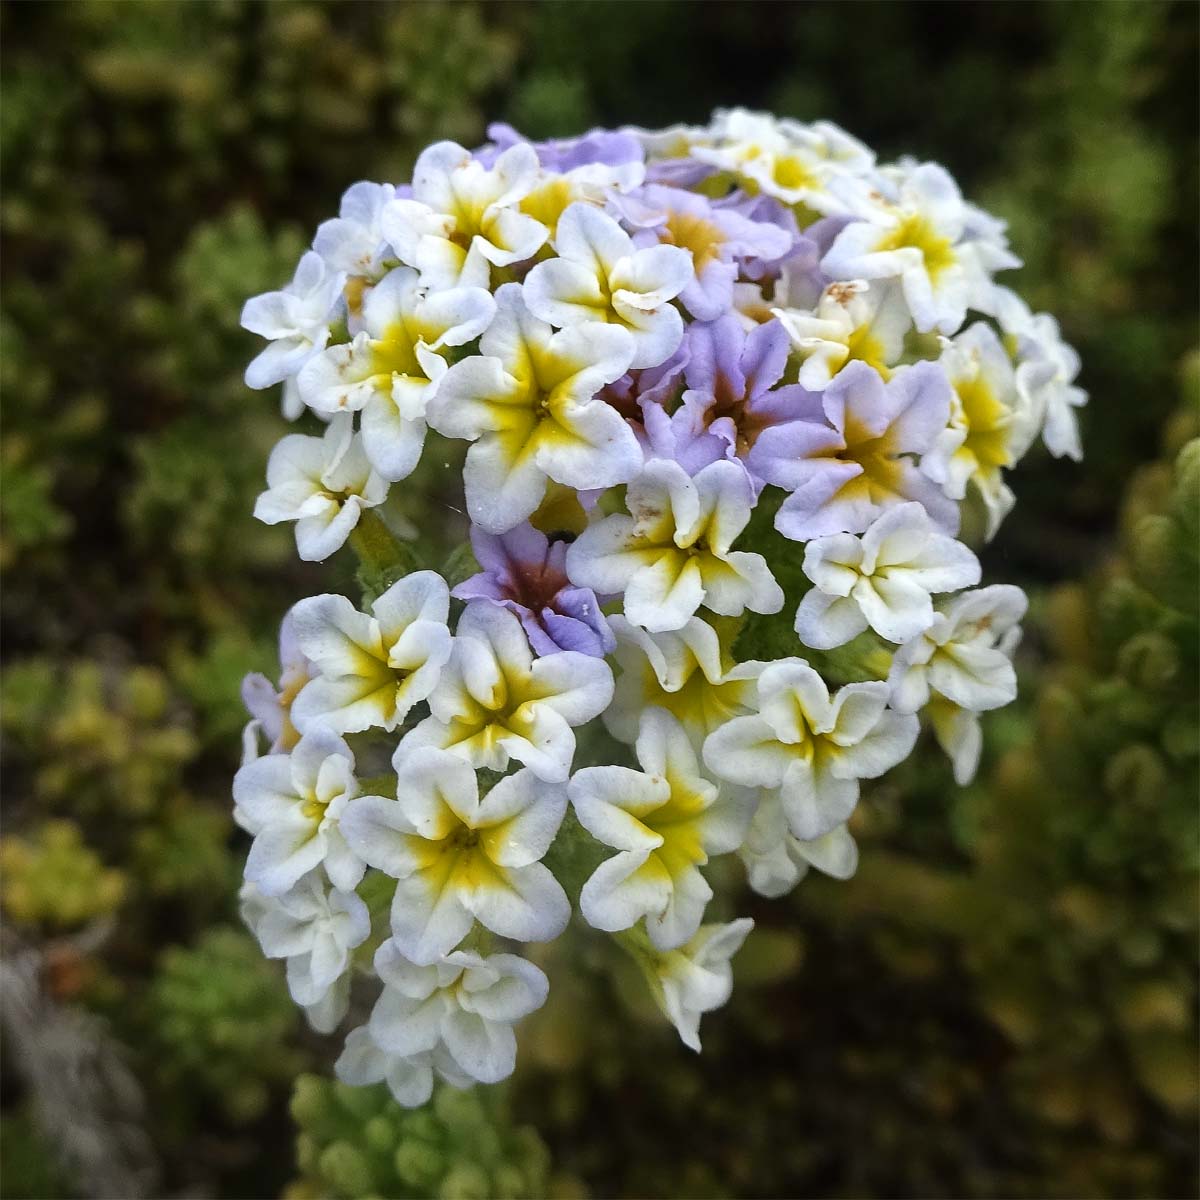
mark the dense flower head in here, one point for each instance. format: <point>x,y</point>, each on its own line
<point>709,380</point>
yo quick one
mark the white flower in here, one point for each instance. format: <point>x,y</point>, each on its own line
<point>293,803</point>
<point>883,579</point>
<point>791,161</point>
<point>918,237</point>
<point>599,275</point>
<point>813,747</point>
<point>991,425</point>
<point>687,671</point>
<point>409,1077</point>
<point>696,978</point>
<point>459,859</point>
<point>392,367</point>
<point>370,670</point>
<point>853,320</point>
<point>665,820</point>
<point>528,404</point>
<point>464,1003</point>
<point>353,241</point>
<point>776,860</point>
<point>495,701</point>
<point>315,930</point>
<point>463,218</point>
<point>965,655</point>
<point>295,320</point>
<point>321,483</point>
<point>1045,374</point>
<point>672,554</point>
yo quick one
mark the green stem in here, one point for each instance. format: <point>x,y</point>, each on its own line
<point>382,557</point>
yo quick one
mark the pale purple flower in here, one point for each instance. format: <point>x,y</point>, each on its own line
<point>852,453</point>
<point>525,572</point>
<point>270,707</point>
<point>719,239</point>
<point>612,148</point>
<point>643,396</point>
<point>729,402</point>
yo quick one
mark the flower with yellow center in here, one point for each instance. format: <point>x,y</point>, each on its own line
<point>599,275</point>
<point>921,236</point>
<point>391,368</point>
<point>689,672</point>
<point>671,553</point>
<point>990,427</point>
<point>795,163</point>
<point>293,804</point>
<point>323,484</point>
<point>459,858</point>
<point>465,218</point>
<point>495,701</point>
<point>666,820</point>
<point>853,322</point>
<point>528,404</point>
<point>369,670</point>
<point>853,453</point>
<point>812,747</point>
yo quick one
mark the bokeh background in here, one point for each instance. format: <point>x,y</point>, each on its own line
<point>1002,1003</point>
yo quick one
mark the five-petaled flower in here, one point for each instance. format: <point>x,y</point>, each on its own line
<point>466,1004</point>
<point>812,746</point>
<point>665,820</point>
<point>369,670</point>
<point>461,859</point>
<point>495,701</point>
<point>671,552</point>
<point>600,275</point>
<point>884,579</point>
<point>321,483</point>
<point>391,368</point>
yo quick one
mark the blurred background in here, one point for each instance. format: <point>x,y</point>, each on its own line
<point>1002,1003</point>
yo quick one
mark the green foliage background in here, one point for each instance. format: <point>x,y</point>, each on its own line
<point>1002,1003</point>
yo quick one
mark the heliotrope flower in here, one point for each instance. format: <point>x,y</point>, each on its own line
<point>295,320</point>
<point>672,551</point>
<point>697,978</point>
<point>463,218</point>
<point>853,321</point>
<point>884,580</point>
<point>716,237</point>
<point>598,274</point>
<point>525,572</point>
<point>919,234</point>
<point>460,859</point>
<point>495,701</point>
<point>270,706</point>
<point>323,484</point>
<point>665,820</point>
<point>732,396</point>
<point>776,860</point>
<point>990,425</point>
<point>390,369</point>
<point>465,1004</point>
<point>689,672</point>
<point>370,669</point>
<point>314,928</point>
<point>856,451</point>
<point>292,804</point>
<point>528,404</point>
<point>812,746</point>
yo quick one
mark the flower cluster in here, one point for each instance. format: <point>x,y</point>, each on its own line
<point>640,336</point>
